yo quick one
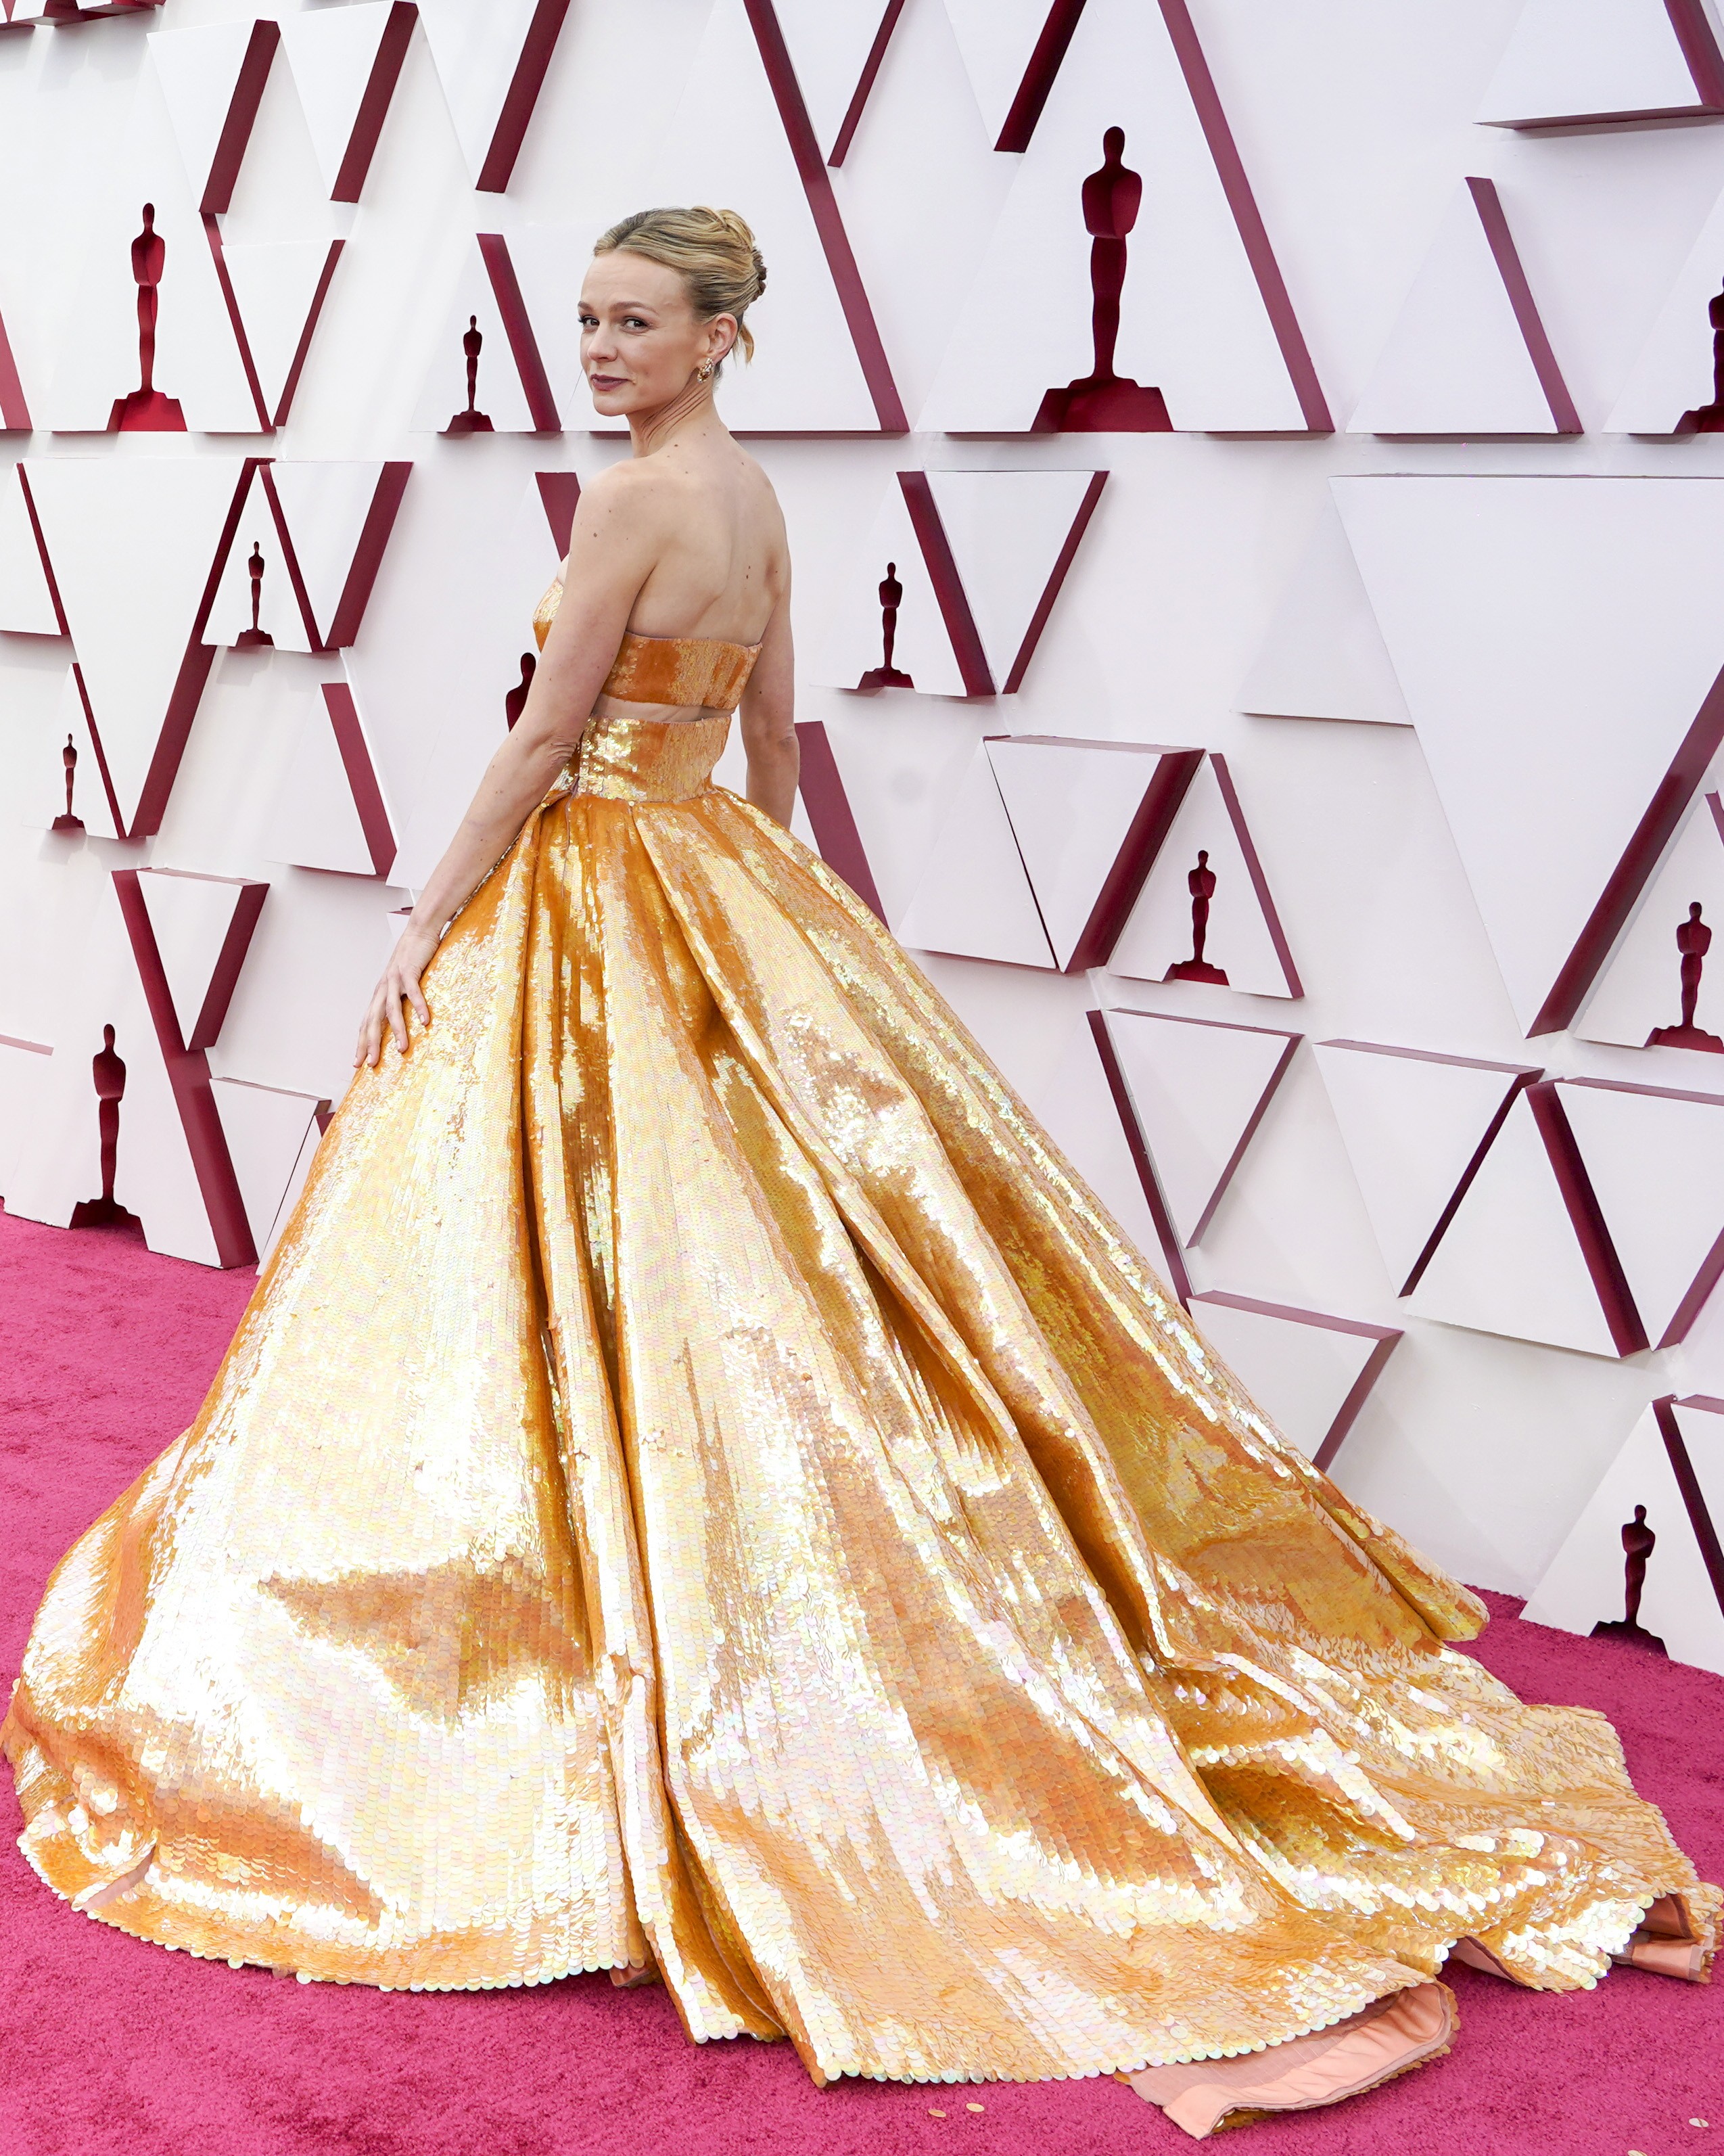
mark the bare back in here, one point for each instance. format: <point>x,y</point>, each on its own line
<point>705,524</point>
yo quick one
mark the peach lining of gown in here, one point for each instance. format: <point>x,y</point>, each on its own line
<point>1390,2036</point>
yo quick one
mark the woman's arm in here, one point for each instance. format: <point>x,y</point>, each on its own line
<point>612,552</point>
<point>769,719</point>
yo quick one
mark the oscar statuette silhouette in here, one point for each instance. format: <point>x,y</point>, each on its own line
<point>68,758</point>
<point>254,639</point>
<point>1637,1542</point>
<point>1201,884</point>
<point>887,675</point>
<point>1103,402</point>
<point>472,421</point>
<point>1694,939</point>
<point>109,1074</point>
<point>147,410</point>
<point>515,703</point>
<point>1709,418</point>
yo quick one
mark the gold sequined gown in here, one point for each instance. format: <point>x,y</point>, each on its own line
<point>701,1481</point>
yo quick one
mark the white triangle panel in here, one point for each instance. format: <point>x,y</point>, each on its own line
<point>1677,370</point>
<point>478,651</point>
<point>1457,359</point>
<point>974,900</point>
<point>1583,1585</point>
<point>479,52</point>
<point>41,799</point>
<point>1524,617</point>
<point>1639,987</point>
<point>279,288</point>
<point>280,617</point>
<point>1075,1104</point>
<point>198,360</point>
<point>1087,816</point>
<point>725,143</point>
<point>1414,1126</point>
<point>1323,656</point>
<point>1309,1372</point>
<point>1013,535</point>
<point>137,635</point>
<point>853,642</point>
<point>271,1137</point>
<point>203,925</point>
<point>997,40</point>
<point>26,599</point>
<point>156,1177</point>
<point>24,1070</point>
<point>834,51</point>
<point>1243,938</point>
<point>1510,1262</point>
<point>314,822</point>
<point>1593,59</point>
<point>1199,1090</point>
<point>500,393</point>
<point>334,511</point>
<point>336,54</point>
<point>1194,321</point>
<point>211,78</point>
<point>1656,1161</point>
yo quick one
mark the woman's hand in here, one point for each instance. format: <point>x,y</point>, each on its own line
<point>400,983</point>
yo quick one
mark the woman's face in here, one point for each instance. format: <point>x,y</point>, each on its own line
<point>640,338</point>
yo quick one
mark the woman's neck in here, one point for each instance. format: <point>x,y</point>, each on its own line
<point>688,414</point>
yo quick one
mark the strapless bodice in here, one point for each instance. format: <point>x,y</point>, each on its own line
<point>694,672</point>
<point>627,757</point>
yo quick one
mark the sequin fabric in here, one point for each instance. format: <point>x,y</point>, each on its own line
<point>693,671</point>
<point>701,1478</point>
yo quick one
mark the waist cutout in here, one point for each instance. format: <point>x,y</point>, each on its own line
<point>624,758</point>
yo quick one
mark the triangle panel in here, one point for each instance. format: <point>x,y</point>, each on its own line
<point>1524,618</point>
<point>852,653</point>
<point>1585,1584</point>
<point>1638,1002</point>
<point>1206,884</point>
<point>198,377</point>
<point>1088,818</point>
<point>836,53</point>
<point>491,62</point>
<point>1655,1160</point>
<point>279,288</point>
<point>1199,1091</point>
<point>728,141</point>
<point>1309,1373</point>
<point>1011,49</point>
<point>1207,339</point>
<point>26,601</point>
<point>485,375</point>
<point>1573,60</point>
<point>345,63</point>
<point>1510,1261</point>
<point>1676,383</point>
<point>1416,1128</point>
<point>272,1135</point>
<point>203,926</point>
<point>1467,353</point>
<point>1012,537</point>
<point>1323,656</point>
<point>139,636</point>
<point>212,80</point>
<point>974,900</point>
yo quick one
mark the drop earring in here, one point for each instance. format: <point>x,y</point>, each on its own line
<point>705,370</point>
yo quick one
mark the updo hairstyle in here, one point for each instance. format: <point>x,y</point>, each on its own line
<point>712,250</point>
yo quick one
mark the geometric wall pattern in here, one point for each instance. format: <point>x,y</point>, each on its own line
<point>1258,528</point>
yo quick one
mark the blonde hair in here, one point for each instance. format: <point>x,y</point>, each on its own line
<point>712,250</point>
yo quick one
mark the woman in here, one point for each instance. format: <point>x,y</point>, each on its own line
<point>702,1492</point>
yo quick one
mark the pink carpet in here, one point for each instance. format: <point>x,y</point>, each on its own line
<point>109,2047</point>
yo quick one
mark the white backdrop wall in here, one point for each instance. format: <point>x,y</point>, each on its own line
<point>1427,576</point>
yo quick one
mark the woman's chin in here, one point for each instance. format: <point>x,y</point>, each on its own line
<point>615,403</point>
